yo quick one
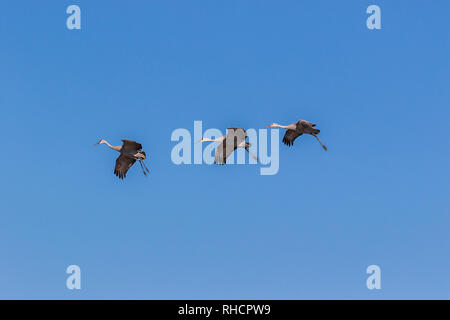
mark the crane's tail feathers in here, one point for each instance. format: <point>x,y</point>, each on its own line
<point>316,131</point>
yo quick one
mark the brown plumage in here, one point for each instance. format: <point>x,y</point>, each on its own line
<point>295,130</point>
<point>130,151</point>
<point>123,163</point>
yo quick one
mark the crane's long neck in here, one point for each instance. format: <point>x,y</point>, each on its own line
<point>280,126</point>
<point>211,140</point>
<point>117,148</point>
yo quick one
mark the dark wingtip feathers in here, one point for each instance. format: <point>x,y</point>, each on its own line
<point>119,175</point>
<point>288,142</point>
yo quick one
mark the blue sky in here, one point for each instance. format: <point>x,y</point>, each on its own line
<point>141,69</point>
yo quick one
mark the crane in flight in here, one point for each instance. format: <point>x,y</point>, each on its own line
<point>235,138</point>
<point>130,151</point>
<point>295,130</point>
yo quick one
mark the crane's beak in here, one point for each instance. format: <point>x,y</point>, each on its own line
<point>268,126</point>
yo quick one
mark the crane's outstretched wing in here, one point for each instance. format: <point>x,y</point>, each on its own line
<point>123,163</point>
<point>221,150</point>
<point>290,136</point>
<point>130,146</point>
<point>232,141</point>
